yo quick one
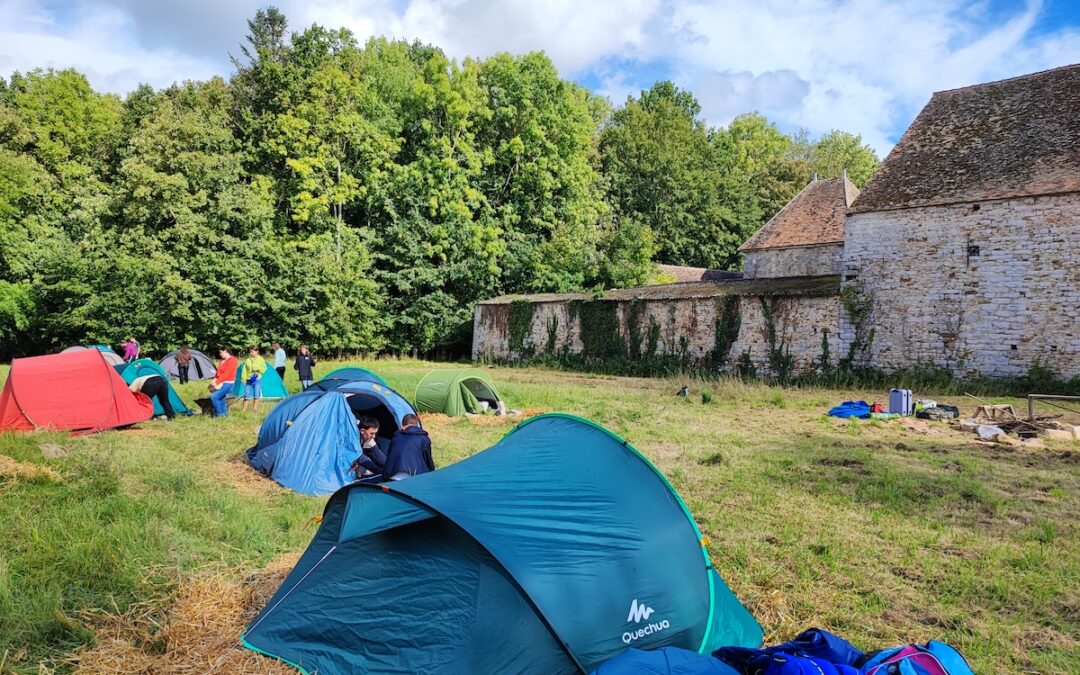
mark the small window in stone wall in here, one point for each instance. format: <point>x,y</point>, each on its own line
<point>973,251</point>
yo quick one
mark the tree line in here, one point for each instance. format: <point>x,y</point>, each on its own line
<point>361,197</point>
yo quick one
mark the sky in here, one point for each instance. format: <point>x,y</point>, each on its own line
<point>865,66</point>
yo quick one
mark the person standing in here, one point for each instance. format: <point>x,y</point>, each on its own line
<point>155,386</point>
<point>183,362</point>
<point>223,381</point>
<point>279,360</point>
<point>131,350</point>
<point>251,376</point>
<point>305,364</point>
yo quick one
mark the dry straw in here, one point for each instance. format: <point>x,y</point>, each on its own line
<point>198,633</point>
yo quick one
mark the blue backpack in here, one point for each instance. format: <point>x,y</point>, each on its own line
<point>932,658</point>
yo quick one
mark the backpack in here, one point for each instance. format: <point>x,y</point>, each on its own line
<point>932,658</point>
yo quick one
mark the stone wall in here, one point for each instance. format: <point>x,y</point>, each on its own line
<point>793,261</point>
<point>686,327</point>
<point>983,288</point>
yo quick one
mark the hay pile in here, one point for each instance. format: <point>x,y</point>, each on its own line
<point>198,633</point>
<point>243,478</point>
<point>14,469</point>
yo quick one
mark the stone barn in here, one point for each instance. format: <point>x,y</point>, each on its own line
<point>963,250</point>
<point>806,238</point>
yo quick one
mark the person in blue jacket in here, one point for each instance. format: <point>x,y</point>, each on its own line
<point>373,447</point>
<point>410,451</point>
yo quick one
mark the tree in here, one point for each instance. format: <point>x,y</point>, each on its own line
<point>838,151</point>
<point>663,172</point>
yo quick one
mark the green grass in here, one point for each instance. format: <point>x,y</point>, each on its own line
<point>878,532</point>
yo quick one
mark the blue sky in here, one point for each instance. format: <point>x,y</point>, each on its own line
<point>865,66</point>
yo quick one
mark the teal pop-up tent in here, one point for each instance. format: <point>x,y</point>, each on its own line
<point>502,563</point>
<point>140,367</point>
<point>272,386</point>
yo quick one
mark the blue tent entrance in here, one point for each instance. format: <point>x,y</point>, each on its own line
<point>272,386</point>
<point>499,563</point>
<point>141,367</point>
<point>308,442</point>
<point>336,378</point>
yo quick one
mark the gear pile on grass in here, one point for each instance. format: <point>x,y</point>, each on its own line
<point>197,633</point>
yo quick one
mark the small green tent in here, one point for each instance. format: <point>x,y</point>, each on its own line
<point>142,367</point>
<point>456,392</point>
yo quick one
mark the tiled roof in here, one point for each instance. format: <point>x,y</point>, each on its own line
<point>1014,138</point>
<point>815,216</point>
<point>808,286</point>
<point>683,274</point>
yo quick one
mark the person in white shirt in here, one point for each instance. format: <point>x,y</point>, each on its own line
<point>279,360</point>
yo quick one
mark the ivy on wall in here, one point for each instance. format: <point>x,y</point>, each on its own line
<point>728,323</point>
<point>519,323</point>
<point>858,306</point>
<point>781,362</point>
<point>598,322</point>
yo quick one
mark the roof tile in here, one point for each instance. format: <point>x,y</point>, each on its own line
<point>814,217</point>
<point>1014,138</point>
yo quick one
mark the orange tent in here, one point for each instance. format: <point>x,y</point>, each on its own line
<point>75,391</point>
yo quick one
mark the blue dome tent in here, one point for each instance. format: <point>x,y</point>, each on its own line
<point>500,563</point>
<point>308,441</point>
<point>336,378</point>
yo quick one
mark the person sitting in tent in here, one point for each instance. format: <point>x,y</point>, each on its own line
<point>305,361</point>
<point>254,367</point>
<point>410,451</point>
<point>372,458</point>
<point>223,382</point>
<point>154,386</point>
<point>183,362</point>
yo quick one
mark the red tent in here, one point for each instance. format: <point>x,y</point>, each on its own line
<point>77,391</point>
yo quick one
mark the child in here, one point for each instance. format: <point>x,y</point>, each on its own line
<point>254,367</point>
<point>305,362</point>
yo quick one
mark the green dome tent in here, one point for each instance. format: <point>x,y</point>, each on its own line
<point>456,392</point>
<point>498,564</point>
<point>140,367</point>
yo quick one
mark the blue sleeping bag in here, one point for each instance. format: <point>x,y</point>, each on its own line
<point>851,409</point>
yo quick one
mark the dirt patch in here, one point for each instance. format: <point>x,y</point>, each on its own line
<point>841,461</point>
<point>14,469</point>
<point>53,451</point>
<point>920,426</point>
<point>243,478</point>
<point>198,633</point>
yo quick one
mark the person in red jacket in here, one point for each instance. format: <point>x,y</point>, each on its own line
<point>223,382</point>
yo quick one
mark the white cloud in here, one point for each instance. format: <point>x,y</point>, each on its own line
<point>861,65</point>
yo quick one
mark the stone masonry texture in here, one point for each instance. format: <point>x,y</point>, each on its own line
<point>985,288</point>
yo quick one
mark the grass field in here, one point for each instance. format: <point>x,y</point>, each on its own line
<point>883,533</point>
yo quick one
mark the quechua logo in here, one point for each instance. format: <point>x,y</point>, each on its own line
<point>639,612</point>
